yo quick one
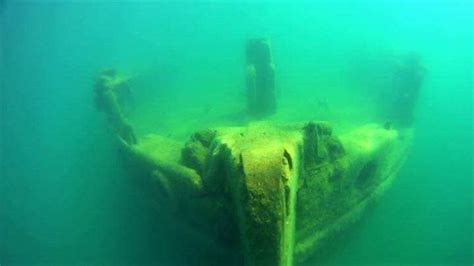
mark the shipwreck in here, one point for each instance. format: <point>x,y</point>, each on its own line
<point>275,191</point>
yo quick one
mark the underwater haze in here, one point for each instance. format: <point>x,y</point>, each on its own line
<point>65,197</point>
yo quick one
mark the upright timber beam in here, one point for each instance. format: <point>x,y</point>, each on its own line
<point>260,78</point>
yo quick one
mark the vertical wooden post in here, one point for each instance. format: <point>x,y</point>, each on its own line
<point>260,78</point>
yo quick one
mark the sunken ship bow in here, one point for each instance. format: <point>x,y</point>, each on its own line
<point>276,192</point>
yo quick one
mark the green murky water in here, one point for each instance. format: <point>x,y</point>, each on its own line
<point>66,199</point>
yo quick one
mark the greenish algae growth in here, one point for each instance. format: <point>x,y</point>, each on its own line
<point>274,191</point>
<point>236,132</point>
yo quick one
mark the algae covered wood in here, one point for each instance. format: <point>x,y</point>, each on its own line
<point>279,205</point>
<point>260,78</point>
<point>274,193</point>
